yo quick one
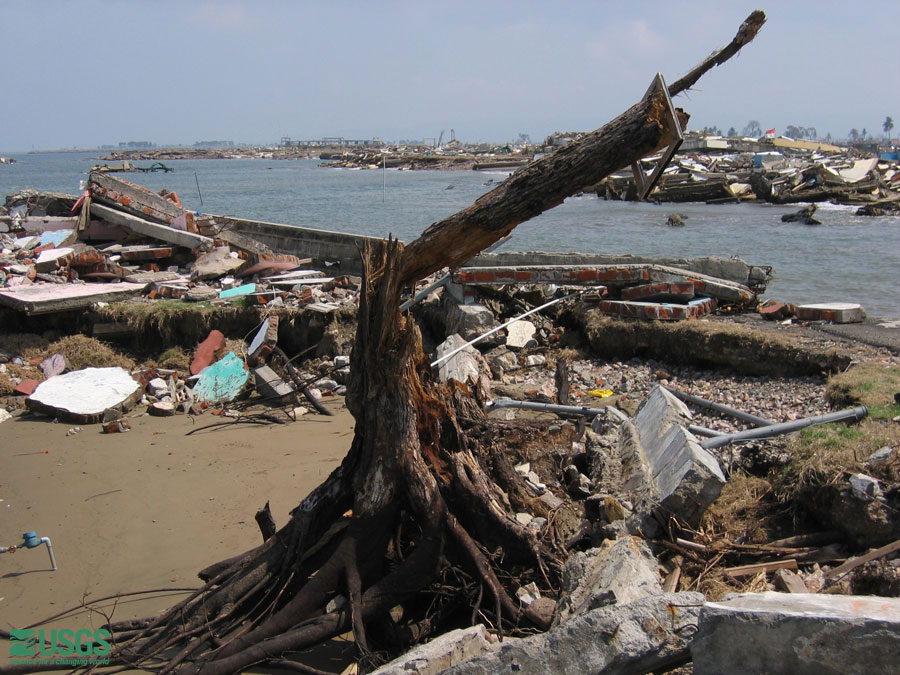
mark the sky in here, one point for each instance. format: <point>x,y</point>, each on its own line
<point>96,72</point>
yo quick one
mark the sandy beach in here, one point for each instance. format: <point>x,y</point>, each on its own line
<point>145,509</point>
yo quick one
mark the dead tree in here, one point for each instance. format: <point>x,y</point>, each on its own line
<point>414,499</point>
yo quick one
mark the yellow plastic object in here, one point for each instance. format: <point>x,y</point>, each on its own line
<point>601,393</point>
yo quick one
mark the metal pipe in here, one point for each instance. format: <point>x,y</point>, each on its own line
<point>504,325</point>
<point>703,431</point>
<point>425,291</point>
<point>718,407</point>
<point>848,415</point>
<point>544,407</point>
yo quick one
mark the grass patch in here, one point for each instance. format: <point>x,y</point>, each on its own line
<point>83,352</point>
<point>744,511</point>
<point>872,384</point>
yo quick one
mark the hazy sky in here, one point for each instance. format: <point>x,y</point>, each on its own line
<point>91,72</point>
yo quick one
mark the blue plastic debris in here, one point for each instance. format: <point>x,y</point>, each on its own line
<point>222,381</point>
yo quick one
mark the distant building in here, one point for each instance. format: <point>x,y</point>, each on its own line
<point>214,144</point>
<point>135,145</point>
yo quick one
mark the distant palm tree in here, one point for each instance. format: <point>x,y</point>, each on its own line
<point>887,126</point>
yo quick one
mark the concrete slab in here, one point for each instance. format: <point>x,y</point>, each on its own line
<point>269,384</point>
<point>46,298</point>
<point>801,634</point>
<point>661,311</point>
<point>82,396</point>
<point>151,229</point>
<point>138,201</point>
<point>518,333</point>
<point>835,312</point>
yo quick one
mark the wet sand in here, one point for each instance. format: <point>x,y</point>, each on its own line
<point>145,509</point>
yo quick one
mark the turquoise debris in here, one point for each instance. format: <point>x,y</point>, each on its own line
<point>223,380</point>
<point>246,289</point>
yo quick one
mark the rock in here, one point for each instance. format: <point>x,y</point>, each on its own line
<point>612,640</point>
<point>618,572</point>
<point>804,215</point>
<point>443,652</point>
<point>469,321</point>
<point>4,415</point>
<point>341,361</point>
<point>269,384</point>
<point>157,387</point>
<point>799,634</point>
<point>675,220</point>
<point>519,333</point>
<point>864,487</point>
<point>880,457</point>
<point>535,360</point>
<point>218,262</point>
<point>200,294</point>
<point>466,366</point>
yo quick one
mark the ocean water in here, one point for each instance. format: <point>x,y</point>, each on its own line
<point>847,259</point>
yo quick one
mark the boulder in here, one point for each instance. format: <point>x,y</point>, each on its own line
<point>443,652</point>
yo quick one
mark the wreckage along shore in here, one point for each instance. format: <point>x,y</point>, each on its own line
<point>812,264</point>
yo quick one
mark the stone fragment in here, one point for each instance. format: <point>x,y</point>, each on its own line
<point>880,457</point>
<point>664,464</point>
<point>519,333</point>
<point>864,487</point>
<point>801,634</point>
<point>443,652</point>
<point>469,321</point>
<point>466,366</point>
<point>209,351</point>
<point>158,387</point>
<point>4,415</point>
<point>640,636</point>
<point>618,572</point>
<point>217,263</point>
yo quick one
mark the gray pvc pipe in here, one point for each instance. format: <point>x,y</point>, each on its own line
<point>544,407</point>
<point>718,407</point>
<point>848,415</point>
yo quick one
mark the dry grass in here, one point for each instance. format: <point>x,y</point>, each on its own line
<point>17,343</point>
<point>743,512</point>
<point>83,352</point>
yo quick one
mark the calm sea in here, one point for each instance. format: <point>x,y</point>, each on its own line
<point>847,259</point>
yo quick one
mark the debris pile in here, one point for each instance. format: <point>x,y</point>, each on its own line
<point>121,240</point>
<point>781,173</point>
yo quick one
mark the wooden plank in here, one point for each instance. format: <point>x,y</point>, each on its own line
<point>863,559</point>
<point>767,567</point>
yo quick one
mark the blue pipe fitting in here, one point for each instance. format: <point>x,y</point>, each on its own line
<point>31,540</point>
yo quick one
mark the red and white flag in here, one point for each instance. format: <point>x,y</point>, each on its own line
<point>770,133</point>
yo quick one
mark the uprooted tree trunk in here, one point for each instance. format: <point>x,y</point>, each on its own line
<point>414,506</point>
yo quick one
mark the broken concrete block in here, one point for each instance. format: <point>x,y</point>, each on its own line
<point>269,384</point>
<point>443,652</point>
<point>466,366</point>
<point>4,415</point>
<point>619,571</point>
<point>665,463</point>
<point>519,333</point>
<point>52,258</point>
<point>798,634</point>
<point>208,351</point>
<point>83,396</point>
<point>635,637</point>
<point>200,294</point>
<point>835,312</point>
<point>217,263</point>
<point>151,229</point>
<point>469,321</point>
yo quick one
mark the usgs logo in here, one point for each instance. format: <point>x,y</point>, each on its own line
<point>59,646</point>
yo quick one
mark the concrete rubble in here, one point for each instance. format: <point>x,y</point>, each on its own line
<point>804,634</point>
